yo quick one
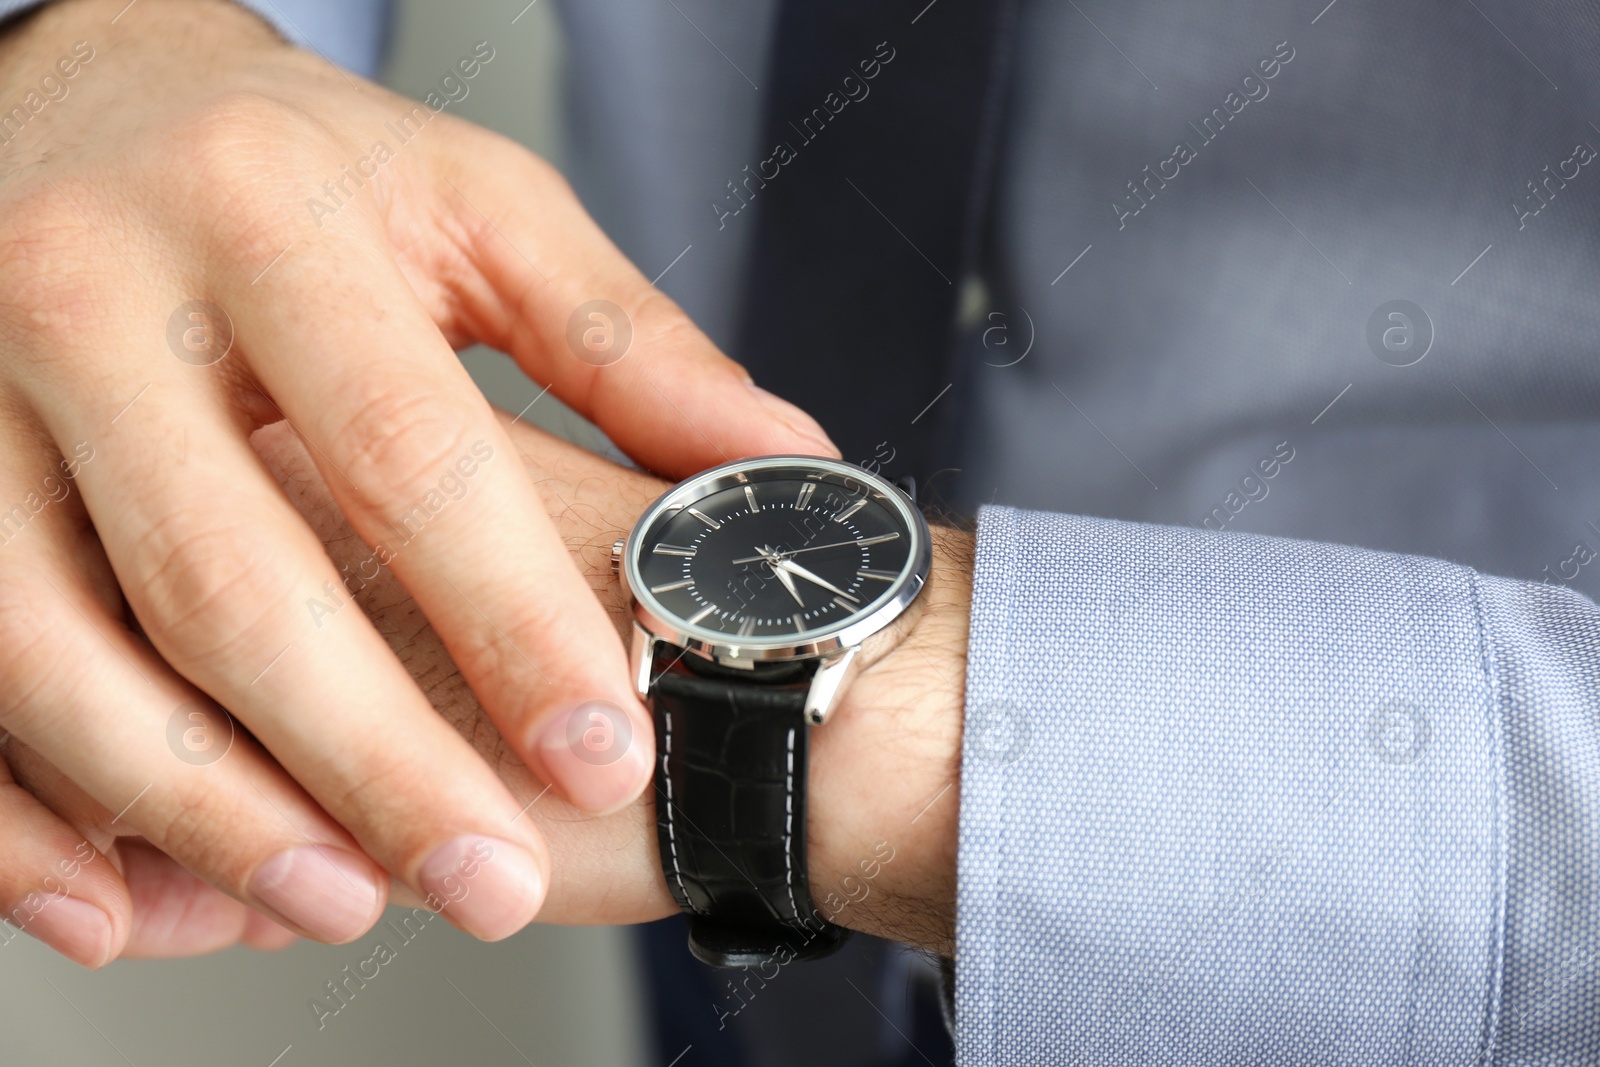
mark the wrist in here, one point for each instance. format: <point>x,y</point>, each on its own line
<point>884,775</point>
<point>176,41</point>
<point>50,25</point>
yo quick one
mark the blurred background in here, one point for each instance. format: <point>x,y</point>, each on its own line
<point>550,995</point>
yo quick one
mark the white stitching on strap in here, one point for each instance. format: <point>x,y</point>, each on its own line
<point>788,827</point>
<point>672,837</point>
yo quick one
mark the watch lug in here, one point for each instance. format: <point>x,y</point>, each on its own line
<point>834,672</point>
<point>641,659</point>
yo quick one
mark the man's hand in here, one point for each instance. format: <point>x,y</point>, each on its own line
<point>883,789</point>
<point>883,771</point>
<point>205,231</point>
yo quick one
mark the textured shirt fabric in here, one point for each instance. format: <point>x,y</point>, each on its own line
<point>1232,798</point>
<point>1238,799</point>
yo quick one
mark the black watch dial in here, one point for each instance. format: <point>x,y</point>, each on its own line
<point>782,551</point>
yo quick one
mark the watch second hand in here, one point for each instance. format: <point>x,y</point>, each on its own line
<point>818,548</point>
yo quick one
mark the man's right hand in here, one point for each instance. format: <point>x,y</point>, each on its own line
<point>200,234</point>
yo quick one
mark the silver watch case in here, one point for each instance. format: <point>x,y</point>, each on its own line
<point>836,647</point>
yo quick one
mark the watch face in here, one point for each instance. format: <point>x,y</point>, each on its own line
<point>776,551</point>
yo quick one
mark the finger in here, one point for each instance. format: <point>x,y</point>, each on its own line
<point>174,912</point>
<point>264,935</point>
<point>604,868</point>
<point>231,587</point>
<point>539,280</point>
<point>55,885</point>
<point>106,714</point>
<point>417,460</point>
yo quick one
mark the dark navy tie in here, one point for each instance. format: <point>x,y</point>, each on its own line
<point>880,121</point>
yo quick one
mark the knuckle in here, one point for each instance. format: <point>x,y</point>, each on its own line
<point>193,829</point>
<point>660,325</point>
<point>53,280</point>
<point>511,647</point>
<point>233,139</point>
<point>538,656</point>
<point>526,169</point>
<point>504,173</point>
<point>366,801</point>
<point>30,653</point>
<point>208,594</point>
<point>243,159</point>
<point>396,446</point>
<point>543,175</point>
<point>663,331</point>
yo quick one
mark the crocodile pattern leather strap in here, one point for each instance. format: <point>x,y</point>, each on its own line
<point>730,809</point>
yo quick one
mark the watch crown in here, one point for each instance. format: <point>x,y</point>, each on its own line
<point>616,555</point>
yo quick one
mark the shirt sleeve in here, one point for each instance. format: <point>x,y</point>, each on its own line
<point>351,33</point>
<point>1230,799</point>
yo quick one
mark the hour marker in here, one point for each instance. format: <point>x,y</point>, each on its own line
<point>805,495</point>
<point>707,519</point>
<point>882,576</point>
<point>702,613</point>
<point>750,498</point>
<point>799,623</point>
<point>670,586</point>
<point>747,627</point>
<point>851,510</point>
<point>847,602</point>
<point>672,550</point>
<point>878,540</point>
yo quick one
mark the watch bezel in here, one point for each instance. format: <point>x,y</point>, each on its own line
<point>736,651</point>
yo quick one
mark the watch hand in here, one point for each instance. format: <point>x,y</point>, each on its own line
<point>788,582</point>
<point>878,540</point>
<point>780,566</point>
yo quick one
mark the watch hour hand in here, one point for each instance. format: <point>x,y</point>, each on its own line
<point>784,577</point>
<point>782,566</point>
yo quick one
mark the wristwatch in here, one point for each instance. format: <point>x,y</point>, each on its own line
<point>755,586</point>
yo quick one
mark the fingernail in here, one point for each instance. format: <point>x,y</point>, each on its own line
<point>327,892</point>
<point>596,755</point>
<point>795,419</point>
<point>488,887</point>
<point>75,928</point>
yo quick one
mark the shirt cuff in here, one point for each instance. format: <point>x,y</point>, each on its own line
<point>1225,799</point>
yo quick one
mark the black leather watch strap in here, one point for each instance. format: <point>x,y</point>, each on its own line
<point>731,751</point>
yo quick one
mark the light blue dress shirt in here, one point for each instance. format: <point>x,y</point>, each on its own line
<point>1232,798</point>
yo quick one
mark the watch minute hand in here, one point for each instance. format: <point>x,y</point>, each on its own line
<point>784,578</point>
<point>781,566</point>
